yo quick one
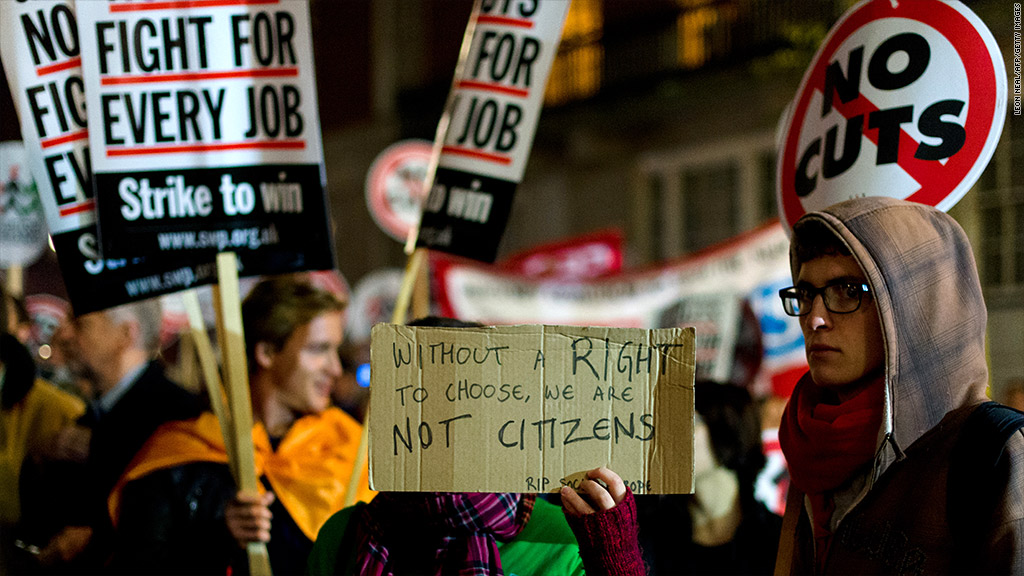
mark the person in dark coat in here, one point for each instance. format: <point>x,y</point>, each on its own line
<point>116,349</point>
<point>721,528</point>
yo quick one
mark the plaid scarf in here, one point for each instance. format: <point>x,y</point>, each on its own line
<point>438,533</point>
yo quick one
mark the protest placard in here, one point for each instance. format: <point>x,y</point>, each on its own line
<point>373,301</point>
<point>589,256</point>
<point>903,99</point>
<point>22,230</point>
<point>209,137</point>
<point>530,408</point>
<point>39,44</point>
<point>394,186</point>
<point>488,125</point>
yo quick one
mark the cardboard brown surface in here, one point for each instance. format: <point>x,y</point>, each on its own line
<point>530,408</point>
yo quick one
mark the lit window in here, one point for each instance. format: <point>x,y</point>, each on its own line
<point>576,72</point>
<point>703,31</point>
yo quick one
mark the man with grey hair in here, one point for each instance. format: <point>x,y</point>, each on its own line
<point>116,349</point>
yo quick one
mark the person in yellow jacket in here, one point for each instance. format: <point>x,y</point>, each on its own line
<point>177,510</point>
<point>32,412</point>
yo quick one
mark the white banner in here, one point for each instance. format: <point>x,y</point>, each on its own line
<point>705,291</point>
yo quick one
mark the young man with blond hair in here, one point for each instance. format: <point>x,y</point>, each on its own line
<point>177,509</point>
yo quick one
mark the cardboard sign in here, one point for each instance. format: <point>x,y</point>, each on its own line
<point>395,186</point>
<point>40,48</point>
<point>530,408</point>
<point>209,137</point>
<point>489,123</point>
<point>703,290</point>
<point>902,99</point>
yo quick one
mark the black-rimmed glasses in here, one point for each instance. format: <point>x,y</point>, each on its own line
<point>838,297</point>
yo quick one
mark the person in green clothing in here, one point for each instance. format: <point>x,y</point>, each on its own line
<point>435,533</point>
<point>447,533</point>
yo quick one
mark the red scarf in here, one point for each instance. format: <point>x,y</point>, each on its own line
<point>826,444</point>
<point>424,533</point>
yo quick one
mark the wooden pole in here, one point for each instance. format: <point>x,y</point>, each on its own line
<point>787,540</point>
<point>211,376</point>
<point>187,370</point>
<point>357,467</point>
<point>240,404</point>
<point>421,292</point>
<point>412,267</point>
<point>15,281</point>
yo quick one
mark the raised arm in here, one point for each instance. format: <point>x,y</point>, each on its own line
<point>603,518</point>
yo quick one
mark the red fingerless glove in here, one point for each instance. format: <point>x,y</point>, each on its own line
<point>608,539</point>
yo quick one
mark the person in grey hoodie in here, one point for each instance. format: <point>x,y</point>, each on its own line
<point>891,308</point>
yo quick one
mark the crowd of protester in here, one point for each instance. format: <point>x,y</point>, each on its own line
<point>897,462</point>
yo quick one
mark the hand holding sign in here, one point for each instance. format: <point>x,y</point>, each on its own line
<point>603,488</point>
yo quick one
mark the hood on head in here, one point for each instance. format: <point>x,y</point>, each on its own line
<point>921,270</point>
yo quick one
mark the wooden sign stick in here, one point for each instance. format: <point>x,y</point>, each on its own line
<point>357,467</point>
<point>421,291</point>
<point>189,372</point>
<point>15,280</point>
<point>412,267</point>
<point>415,289</point>
<point>211,376</point>
<point>237,371</point>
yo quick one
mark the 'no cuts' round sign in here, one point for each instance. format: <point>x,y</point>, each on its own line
<point>394,186</point>
<point>903,99</point>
